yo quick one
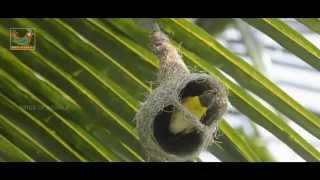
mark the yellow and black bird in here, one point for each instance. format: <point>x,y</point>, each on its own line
<point>197,105</point>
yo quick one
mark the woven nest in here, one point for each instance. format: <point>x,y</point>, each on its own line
<point>175,83</point>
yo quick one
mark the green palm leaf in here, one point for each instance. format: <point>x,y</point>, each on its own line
<point>289,38</point>
<point>312,23</point>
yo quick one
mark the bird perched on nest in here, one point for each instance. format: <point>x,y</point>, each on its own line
<point>197,105</point>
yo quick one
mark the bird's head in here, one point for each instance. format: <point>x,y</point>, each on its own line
<point>216,100</point>
<point>214,97</point>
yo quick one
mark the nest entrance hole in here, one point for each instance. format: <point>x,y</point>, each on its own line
<point>180,144</point>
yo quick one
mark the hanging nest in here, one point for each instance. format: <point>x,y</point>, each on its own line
<point>176,83</point>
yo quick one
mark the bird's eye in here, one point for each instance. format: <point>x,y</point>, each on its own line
<point>212,92</point>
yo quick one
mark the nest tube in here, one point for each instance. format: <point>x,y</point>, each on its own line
<point>175,82</point>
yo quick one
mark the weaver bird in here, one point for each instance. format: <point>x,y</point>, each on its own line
<point>197,105</point>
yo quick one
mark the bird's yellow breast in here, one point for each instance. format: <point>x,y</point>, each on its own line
<point>178,122</point>
<point>194,105</point>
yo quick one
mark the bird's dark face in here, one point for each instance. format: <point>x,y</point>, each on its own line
<point>213,97</point>
<point>216,100</point>
<point>207,97</point>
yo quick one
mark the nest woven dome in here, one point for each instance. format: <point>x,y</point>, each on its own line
<point>154,117</point>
